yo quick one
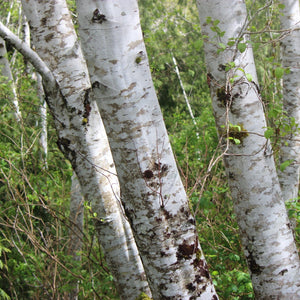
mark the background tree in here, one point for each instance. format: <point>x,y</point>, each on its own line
<point>247,153</point>
<point>290,148</point>
<point>7,76</point>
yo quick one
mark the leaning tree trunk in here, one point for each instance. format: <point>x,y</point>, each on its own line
<point>264,226</point>
<point>83,140</point>
<point>290,149</point>
<point>152,192</point>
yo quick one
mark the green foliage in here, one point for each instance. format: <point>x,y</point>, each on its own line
<point>242,47</point>
<point>235,284</point>
<point>3,250</point>
<point>235,133</point>
<point>34,200</point>
<point>293,207</point>
<point>34,216</point>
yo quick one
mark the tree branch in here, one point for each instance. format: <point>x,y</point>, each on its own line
<point>30,55</point>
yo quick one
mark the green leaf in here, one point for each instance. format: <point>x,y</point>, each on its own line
<point>268,133</point>
<point>285,164</point>
<point>222,33</point>
<point>198,44</point>
<point>208,20</point>
<point>249,77</point>
<point>281,6</point>
<point>279,72</point>
<point>222,47</point>
<point>235,140</point>
<point>242,47</point>
<point>229,66</point>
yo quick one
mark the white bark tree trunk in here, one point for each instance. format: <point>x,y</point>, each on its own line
<point>76,229</point>
<point>290,46</point>
<point>83,140</point>
<point>41,94</point>
<point>5,71</point>
<point>264,226</point>
<point>43,120</point>
<point>184,94</point>
<point>152,192</point>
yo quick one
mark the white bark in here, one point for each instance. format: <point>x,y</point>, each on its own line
<point>184,93</point>
<point>76,229</point>
<point>6,72</point>
<point>26,39</point>
<point>41,94</point>
<point>152,192</point>
<point>82,139</point>
<point>43,120</point>
<point>265,232</point>
<point>290,46</point>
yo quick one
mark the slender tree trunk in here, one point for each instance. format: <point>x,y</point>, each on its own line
<point>5,71</point>
<point>290,149</point>
<point>76,229</point>
<point>83,141</point>
<point>41,94</point>
<point>43,120</point>
<point>184,94</point>
<point>152,192</point>
<point>264,226</point>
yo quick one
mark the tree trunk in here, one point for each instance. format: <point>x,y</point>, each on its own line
<point>6,72</point>
<point>83,141</point>
<point>76,229</point>
<point>290,47</point>
<point>43,120</point>
<point>152,192</point>
<point>264,226</point>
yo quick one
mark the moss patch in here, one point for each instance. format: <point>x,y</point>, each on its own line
<point>143,296</point>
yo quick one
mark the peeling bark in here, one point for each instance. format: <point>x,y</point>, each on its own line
<point>152,192</point>
<point>264,226</point>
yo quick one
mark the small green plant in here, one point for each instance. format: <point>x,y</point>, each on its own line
<point>293,207</point>
<point>235,133</point>
<point>3,249</point>
<point>143,296</point>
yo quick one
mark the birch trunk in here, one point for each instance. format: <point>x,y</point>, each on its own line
<point>83,140</point>
<point>76,229</point>
<point>5,71</point>
<point>152,192</point>
<point>290,47</point>
<point>184,94</point>
<point>264,226</point>
<point>43,120</point>
<point>40,92</point>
